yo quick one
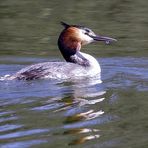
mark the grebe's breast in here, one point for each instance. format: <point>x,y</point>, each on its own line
<point>56,70</point>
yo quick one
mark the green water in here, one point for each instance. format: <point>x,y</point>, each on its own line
<point>47,113</point>
<point>32,27</point>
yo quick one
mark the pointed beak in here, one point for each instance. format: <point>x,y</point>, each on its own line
<point>105,39</point>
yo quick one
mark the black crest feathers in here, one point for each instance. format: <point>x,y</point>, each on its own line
<point>65,25</point>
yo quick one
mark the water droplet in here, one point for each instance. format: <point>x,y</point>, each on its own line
<point>107,42</point>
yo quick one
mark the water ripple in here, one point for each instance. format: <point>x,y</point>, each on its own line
<point>23,133</point>
<point>22,144</point>
<point>8,127</point>
<point>101,120</point>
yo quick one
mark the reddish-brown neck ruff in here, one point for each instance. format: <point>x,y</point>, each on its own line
<point>69,42</point>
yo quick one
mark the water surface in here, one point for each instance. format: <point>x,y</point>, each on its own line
<point>85,113</point>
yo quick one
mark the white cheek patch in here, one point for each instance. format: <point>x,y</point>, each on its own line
<point>85,38</point>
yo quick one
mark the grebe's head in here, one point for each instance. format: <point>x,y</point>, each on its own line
<point>74,36</point>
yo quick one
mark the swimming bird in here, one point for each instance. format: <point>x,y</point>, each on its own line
<point>78,64</point>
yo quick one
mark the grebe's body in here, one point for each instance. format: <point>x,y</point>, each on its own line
<point>77,65</point>
<point>59,70</point>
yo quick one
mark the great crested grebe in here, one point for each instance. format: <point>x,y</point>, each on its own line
<point>77,65</point>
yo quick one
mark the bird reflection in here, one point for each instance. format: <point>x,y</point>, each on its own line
<point>83,116</point>
<point>80,107</point>
<point>84,138</point>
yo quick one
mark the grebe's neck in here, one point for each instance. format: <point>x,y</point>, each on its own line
<point>90,60</point>
<point>86,61</point>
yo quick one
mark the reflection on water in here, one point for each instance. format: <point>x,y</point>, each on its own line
<point>77,113</point>
<point>51,113</point>
<point>77,110</point>
<point>93,134</point>
<point>75,105</point>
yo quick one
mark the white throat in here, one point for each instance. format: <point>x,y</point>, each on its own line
<point>94,65</point>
